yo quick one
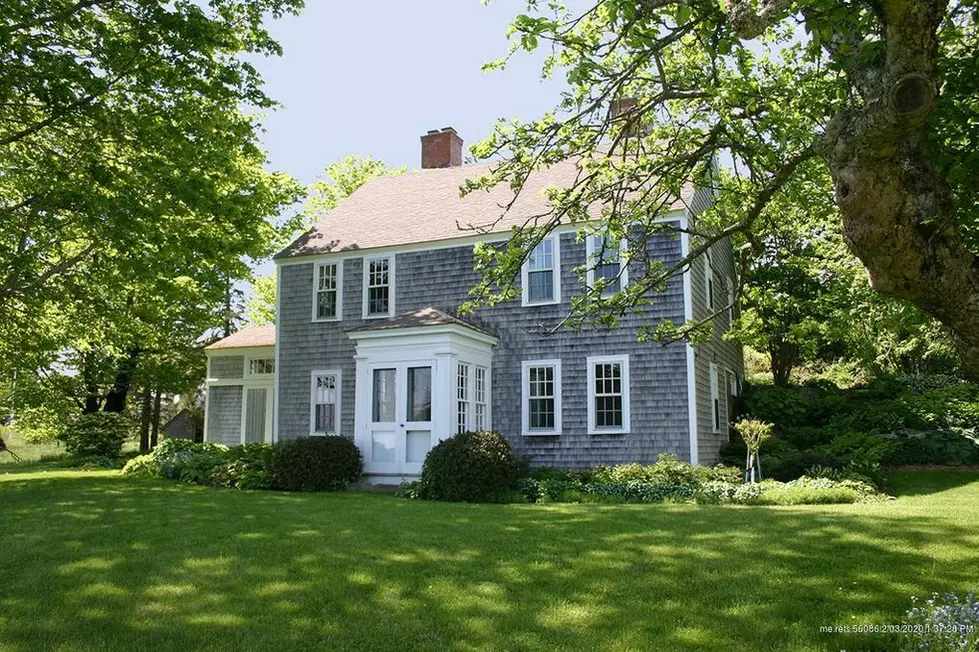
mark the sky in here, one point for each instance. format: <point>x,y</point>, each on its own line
<point>369,78</point>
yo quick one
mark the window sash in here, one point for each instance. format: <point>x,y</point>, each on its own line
<point>378,286</point>
<point>325,401</point>
<point>541,273</point>
<point>605,261</point>
<point>261,366</point>
<point>541,398</point>
<point>479,398</point>
<point>327,290</point>
<point>608,395</point>
<point>462,397</point>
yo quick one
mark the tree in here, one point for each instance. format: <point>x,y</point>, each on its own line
<point>340,179</point>
<point>878,94</point>
<point>133,189</point>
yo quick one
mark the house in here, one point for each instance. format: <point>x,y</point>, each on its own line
<point>183,425</point>
<point>368,342</point>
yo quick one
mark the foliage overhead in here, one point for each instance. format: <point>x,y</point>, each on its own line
<point>758,101</point>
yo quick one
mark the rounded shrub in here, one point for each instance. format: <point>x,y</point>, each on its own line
<point>328,463</point>
<point>470,467</point>
<point>100,434</point>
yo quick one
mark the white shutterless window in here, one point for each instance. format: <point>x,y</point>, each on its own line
<point>541,397</point>
<point>541,274</point>
<point>325,403</point>
<point>379,287</point>
<point>606,264</point>
<point>608,394</point>
<point>326,295</point>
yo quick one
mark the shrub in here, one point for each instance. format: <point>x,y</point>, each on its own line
<point>328,463</point>
<point>144,466</point>
<point>180,459</point>
<point>245,467</point>
<point>409,489</point>
<point>546,485</point>
<point>952,447</point>
<point>99,434</point>
<point>471,467</point>
<point>943,623</point>
<point>805,496</point>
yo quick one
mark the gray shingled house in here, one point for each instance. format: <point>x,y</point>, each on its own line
<point>367,343</point>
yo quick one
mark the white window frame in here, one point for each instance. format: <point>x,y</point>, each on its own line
<point>525,368</point>
<point>312,400</point>
<point>715,399</point>
<point>339,290</point>
<point>464,391</point>
<point>623,362</point>
<point>591,260</point>
<point>249,359</point>
<point>485,402</point>
<point>555,272</point>
<point>366,284</point>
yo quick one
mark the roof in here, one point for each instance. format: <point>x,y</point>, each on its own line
<point>426,206</point>
<point>246,337</point>
<point>418,318</point>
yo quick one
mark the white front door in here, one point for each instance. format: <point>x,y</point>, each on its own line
<point>399,420</point>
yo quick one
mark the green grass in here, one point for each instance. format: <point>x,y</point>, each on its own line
<point>95,561</point>
<point>29,452</point>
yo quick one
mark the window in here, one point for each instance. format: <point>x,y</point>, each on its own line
<point>327,295</point>
<point>419,394</point>
<point>605,264</point>
<point>480,422</point>
<point>261,366</point>
<point>541,392</point>
<point>378,287</point>
<point>542,273</point>
<point>715,398</point>
<point>608,394</point>
<point>325,412</point>
<point>462,397</point>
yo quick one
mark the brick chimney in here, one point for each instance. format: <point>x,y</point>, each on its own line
<point>441,149</point>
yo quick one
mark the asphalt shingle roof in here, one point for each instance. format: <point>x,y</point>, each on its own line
<point>246,337</point>
<point>425,206</point>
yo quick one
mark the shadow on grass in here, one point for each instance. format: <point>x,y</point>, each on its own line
<point>921,483</point>
<point>107,563</point>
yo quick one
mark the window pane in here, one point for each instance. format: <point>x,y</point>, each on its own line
<point>542,413</point>
<point>326,304</point>
<point>383,447</point>
<point>542,257</point>
<point>419,393</point>
<point>541,286</point>
<point>326,418</point>
<point>608,411</point>
<point>384,405</point>
<point>417,445</point>
<point>377,301</point>
<point>327,277</point>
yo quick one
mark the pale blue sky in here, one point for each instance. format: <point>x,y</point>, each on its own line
<point>369,78</point>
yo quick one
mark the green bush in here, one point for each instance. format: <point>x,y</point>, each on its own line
<point>804,496</point>
<point>245,467</point>
<point>143,466</point>
<point>952,447</point>
<point>180,459</point>
<point>100,434</point>
<point>328,463</point>
<point>470,467</point>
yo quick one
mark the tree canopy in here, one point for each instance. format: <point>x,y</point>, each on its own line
<point>133,188</point>
<point>870,101</point>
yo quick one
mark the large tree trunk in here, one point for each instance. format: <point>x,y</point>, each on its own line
<point>144,422</point>
<point>784,356</point>
<point>115,400</point>
<point>155,433</point>
<point>897,206</point>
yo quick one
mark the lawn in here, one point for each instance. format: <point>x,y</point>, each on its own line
<point>95,561</point>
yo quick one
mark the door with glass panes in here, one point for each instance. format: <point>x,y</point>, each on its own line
<point>400,417</point>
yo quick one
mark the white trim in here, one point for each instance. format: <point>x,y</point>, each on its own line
<point>691,355</point>
<point>312,400</point>
<point>449,243</point>
<point>400,333</point>
<point>623,262</point>
<point>525,397</point>
<point>247,373</point>
<point>730,301</point>
<point>555,239</point>
<point>716,422</point>
<point>241,350</point>
<point>391,281</point>
<point>275,381</point>
<point>708,282</point>
<point>316,291</point>
<point>623,361</point>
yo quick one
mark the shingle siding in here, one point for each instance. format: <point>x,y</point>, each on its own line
<point>227,367</point>
<point>726,354</point>
<point>441,279</point>
<point>224,414</point>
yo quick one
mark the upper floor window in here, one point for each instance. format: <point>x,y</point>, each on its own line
<point>261,366</point>
<point>708,281</point>
<point>541,393</point>
<point>730,300</point>
<point>605,264</point>
<point>715,398</point>
<point>541,280</point>
<point>379,287</point>
<point>608,394</point>
<point>325,417</point>
<point>327,300</point>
